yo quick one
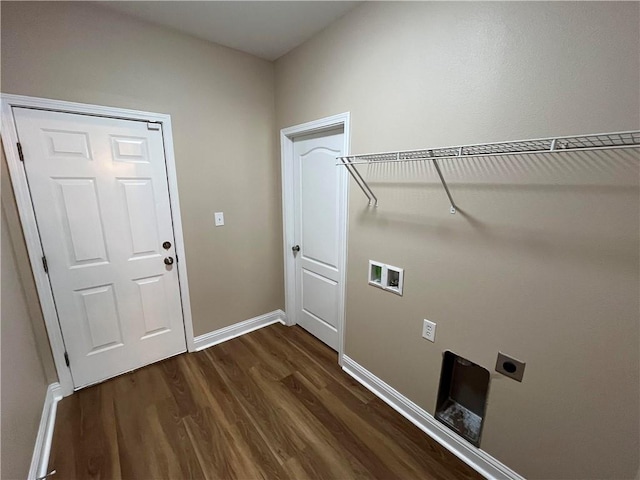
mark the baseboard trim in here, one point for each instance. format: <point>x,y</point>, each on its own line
<point>227,333</point>
<point>42,448</point>
<point>477,459</point>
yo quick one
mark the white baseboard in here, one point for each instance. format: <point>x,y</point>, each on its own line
<point>477,459</point>
<point>42,448</point>
<point>218,336</point>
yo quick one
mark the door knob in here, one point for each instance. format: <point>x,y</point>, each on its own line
<point>166,245</point>
<point>295,248</point>
<point>168,261</point>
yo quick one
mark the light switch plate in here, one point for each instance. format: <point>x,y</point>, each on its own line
<point>219,218</point>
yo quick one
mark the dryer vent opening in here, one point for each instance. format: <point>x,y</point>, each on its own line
<point>462,396</point>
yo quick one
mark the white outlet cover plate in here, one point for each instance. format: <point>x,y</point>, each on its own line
<point>219,218</point>
<point>429,330</point>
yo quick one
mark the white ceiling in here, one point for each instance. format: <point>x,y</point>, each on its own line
<point>263,28</point>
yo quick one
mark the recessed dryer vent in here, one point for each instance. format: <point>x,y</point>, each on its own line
<point>462,396</point>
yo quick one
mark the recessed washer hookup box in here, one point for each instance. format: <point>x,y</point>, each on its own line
<point>462,396</point>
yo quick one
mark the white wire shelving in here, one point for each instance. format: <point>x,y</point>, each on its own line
<point>599,141</point>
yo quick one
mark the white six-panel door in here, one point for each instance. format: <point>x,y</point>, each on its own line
<point>318,217</point>
<point>101,200</point>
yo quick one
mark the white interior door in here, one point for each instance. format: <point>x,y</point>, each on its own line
<point>319,214</point>
<point>101,200</point>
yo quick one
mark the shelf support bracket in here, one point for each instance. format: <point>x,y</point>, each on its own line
<point>353,171</point>
<point>452,208</point>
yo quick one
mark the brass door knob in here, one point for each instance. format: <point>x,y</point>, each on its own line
<point>168,261</point>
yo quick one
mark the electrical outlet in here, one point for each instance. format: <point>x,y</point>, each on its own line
<point>429,330</point>
<point>219,219</point>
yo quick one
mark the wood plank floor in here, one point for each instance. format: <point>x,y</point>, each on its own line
<point>268,405</point>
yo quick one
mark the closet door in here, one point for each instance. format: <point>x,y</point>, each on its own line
<point>318,216</point>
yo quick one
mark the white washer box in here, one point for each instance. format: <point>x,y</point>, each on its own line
<point>385,276</point>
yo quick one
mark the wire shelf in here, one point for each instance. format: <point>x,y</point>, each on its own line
<point>543,145</point>
<point>599,141</point>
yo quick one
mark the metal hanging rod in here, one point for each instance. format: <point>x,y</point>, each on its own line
<point>599,141</point>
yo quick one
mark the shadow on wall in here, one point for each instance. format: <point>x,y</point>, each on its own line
<point>526,190</point>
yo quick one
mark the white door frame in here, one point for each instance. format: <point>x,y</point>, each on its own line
<point>18,176</point>
<point>287,136</point>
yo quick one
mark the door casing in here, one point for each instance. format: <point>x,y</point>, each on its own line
<point>30,229</point>
<point>287,136</point>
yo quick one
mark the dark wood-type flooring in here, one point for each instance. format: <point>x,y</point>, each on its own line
<point>271,404</point>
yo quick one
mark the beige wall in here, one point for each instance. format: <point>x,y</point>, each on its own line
<point>222,106</point>
<point>21,259</point>
<point>542,262</point>
<point>27,365</point>
<point>24,383</point>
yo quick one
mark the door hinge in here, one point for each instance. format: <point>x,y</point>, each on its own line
<point>20,154</point>
<point>66,359</point>
<point>153,126</point>
<point>45,264</point>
